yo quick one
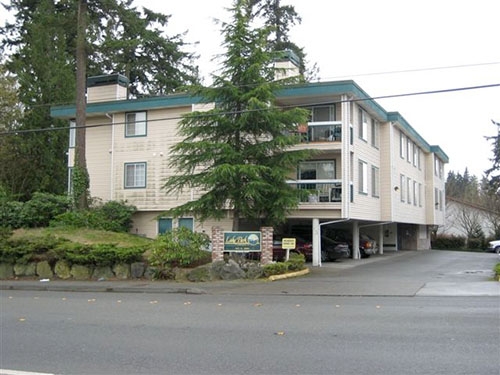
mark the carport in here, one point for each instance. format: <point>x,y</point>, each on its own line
<point>384,233</point>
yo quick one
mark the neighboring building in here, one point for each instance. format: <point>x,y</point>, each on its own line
<point>462,216</point>
<point>375,174</point>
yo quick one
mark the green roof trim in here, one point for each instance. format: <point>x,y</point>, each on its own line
<point>142,104</point>
<point>347,87</point>
<point>336,88</point>
<point>108,79</point>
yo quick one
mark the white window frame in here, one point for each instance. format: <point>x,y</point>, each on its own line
<point>375,182</point>
<point>402,144</point>
<point>363,177</point>
<point>139,177</point>
<point>408,149</point>
<point>408,190</point>
<point>402,182</point>
<point>375,134</point>
<point>136,127</point>
<point>72,134</point>
<point>415,192</point>
<point>362,125</point>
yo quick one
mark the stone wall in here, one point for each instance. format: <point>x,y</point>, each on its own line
<point>64,271</point>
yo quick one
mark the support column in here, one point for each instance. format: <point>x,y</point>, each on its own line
<point>266,255</point>
<point>217,244</point>
<point>355,240</point>
<point>316,242</point>
<point>381,240</point>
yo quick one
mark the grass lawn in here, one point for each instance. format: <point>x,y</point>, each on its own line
<point>84,236</point>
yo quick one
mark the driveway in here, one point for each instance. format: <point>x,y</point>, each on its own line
<point>402,273</point>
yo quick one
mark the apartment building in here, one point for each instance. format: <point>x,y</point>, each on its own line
<point>374,173</point>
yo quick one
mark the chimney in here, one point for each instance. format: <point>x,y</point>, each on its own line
<point>107,88</point>
<point>287,65</point>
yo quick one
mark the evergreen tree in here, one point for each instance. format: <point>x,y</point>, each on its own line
<point>237,155</point>
<point>493,173</point>
<point>280,18</point>
<point>39,47</point>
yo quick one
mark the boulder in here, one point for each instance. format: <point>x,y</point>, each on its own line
<point>228,271</point>
<point>43,270</point>
<point>121,270</point>
<point>102,273</point>
<point>25,269</point>
<point>6,271</point>
<point>80,272</point>
<point>62,270</point>
<point>137,269</point>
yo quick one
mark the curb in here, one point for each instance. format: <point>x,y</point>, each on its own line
<point>289,275</point>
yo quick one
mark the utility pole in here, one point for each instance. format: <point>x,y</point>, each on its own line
<point>80,174</point>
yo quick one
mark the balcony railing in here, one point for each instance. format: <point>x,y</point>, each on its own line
<point>319,191</point>
<point>321,132</point>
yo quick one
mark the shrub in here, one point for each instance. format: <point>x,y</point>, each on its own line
<point>497,269</point>
<point>10,214</point>
<point>42,208</point>
<point>98,255</point>
<point>475,243</point>
<point>445,242</point>
<point>180,247</point>
<point>296,262</point>
<point>111,216</point>
<point>275,269</point>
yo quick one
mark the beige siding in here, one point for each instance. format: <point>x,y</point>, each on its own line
<point>106,93</point>
<point>364,206</point>
<point>99,156</point>
<point>408,211</point>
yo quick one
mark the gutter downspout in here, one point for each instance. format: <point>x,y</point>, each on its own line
<point>112,159</point>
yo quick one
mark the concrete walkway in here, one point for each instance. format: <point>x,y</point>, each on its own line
<point>403,273</point>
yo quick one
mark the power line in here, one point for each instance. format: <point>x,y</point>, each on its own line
<point>324,79</point>
<point>415,70</point>
<point>429,92</point>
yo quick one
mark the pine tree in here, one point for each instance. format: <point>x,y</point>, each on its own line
<point>39,47</point>
<point>238,155</point>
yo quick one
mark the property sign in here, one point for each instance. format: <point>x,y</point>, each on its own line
<point>242,241</point>
<point>288,243</point>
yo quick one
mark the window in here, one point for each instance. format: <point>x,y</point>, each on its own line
<point>415,192</point>
<point>436,198</point>
<point>402,143</point>
<point>187,222</point>
<point>420,195</point>
<point>72,134</point>
<point>408,190</point>
<point>135,175</point>
<point>402,183</point>
<point>440,200</point>
<point>408,150</point>
<point>375,133</point>
<point>164,225</point>
<point>438,167</point>
<point>415,155</point>
<point>419,152</point>
<point>70,180</point>
<point>135,124</point>
<point>323,113</point>
<point>375,182</point>
<point>362,125</point>
<point>317,170</point>
<point>363,177</point>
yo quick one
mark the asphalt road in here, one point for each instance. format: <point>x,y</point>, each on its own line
<point>108,333</point>
<point>408,313</point>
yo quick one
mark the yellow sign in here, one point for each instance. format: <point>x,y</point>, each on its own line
<point>288,243</point>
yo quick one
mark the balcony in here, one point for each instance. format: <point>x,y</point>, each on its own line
<point>319,191</point>
<point>327,131</point>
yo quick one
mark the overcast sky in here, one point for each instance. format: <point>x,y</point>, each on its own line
<point>361,39</point>
<point>351,39</point>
